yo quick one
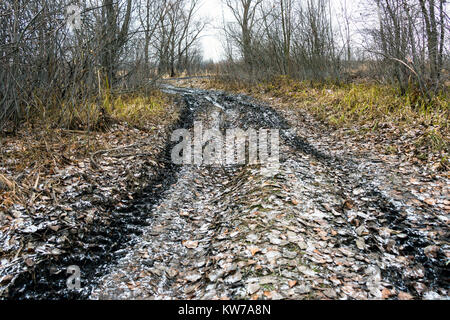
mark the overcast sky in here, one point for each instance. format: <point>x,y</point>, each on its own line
<point>213,10</point>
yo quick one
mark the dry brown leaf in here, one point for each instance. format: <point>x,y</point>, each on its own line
<point>6,278</point>
<point>405,296</point>
<point>292,283</point>
<point>348,204</point>
<point>190,244</point>
<point>251,262</point>
<point>29,262</point>
<point>6,182</point>
<point>386,294</point>
<point>254,251</point>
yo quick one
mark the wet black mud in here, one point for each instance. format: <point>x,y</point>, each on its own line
<point>96,250</point>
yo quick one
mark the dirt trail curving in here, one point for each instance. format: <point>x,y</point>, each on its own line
<point>322,228</point>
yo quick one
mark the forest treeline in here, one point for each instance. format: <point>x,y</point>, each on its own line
<point>56,55</point>
<point>400,41</point>
<point>51,61</point>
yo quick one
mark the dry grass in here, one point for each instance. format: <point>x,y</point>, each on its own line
<point>42,146</point>
<point>135,109</point>
<point>363,109</point>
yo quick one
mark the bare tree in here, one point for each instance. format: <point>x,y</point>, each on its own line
<point>315,49</point>
<point>151,14</point>
<point>46,64</point>
<point>245,14</point>
<point>285,37</point>
<point>114,36</point>
<point>286,12</point>
<point>177,33</point>
<point>411,38</point>
<point>434,17</point>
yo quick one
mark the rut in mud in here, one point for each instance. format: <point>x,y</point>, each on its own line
<point>320,228</point>
<point>94,251</point>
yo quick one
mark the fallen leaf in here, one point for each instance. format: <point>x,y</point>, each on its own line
<point>234,278</point>
<point>29,262</point>
<point>131,286</point>
<point>330,293</point>
<point>292,283</point>
<point>404,296</point>
<point>54,228</point>
<point>172,273</point>
<point>386,294</point>
<point>360,243</point>
<point>348,204</point>
<point>431,251</point>
<point>193,276</point>
<point>254,251</point>
<point>190,244</point>
<point>253,288</point>
<point>6,278</point>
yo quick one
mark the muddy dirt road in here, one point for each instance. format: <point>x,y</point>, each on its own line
<point>321,228</point>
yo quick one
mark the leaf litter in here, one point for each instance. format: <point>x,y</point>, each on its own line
<point>329,225</point>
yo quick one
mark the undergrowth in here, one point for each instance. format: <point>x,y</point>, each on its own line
<point>364,108</point>
<point>96,114</point>
<point>52,139</point>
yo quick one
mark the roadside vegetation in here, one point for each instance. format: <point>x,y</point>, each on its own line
<point>345,104</point>
<point>41,147</point>
<point>412,125</point>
